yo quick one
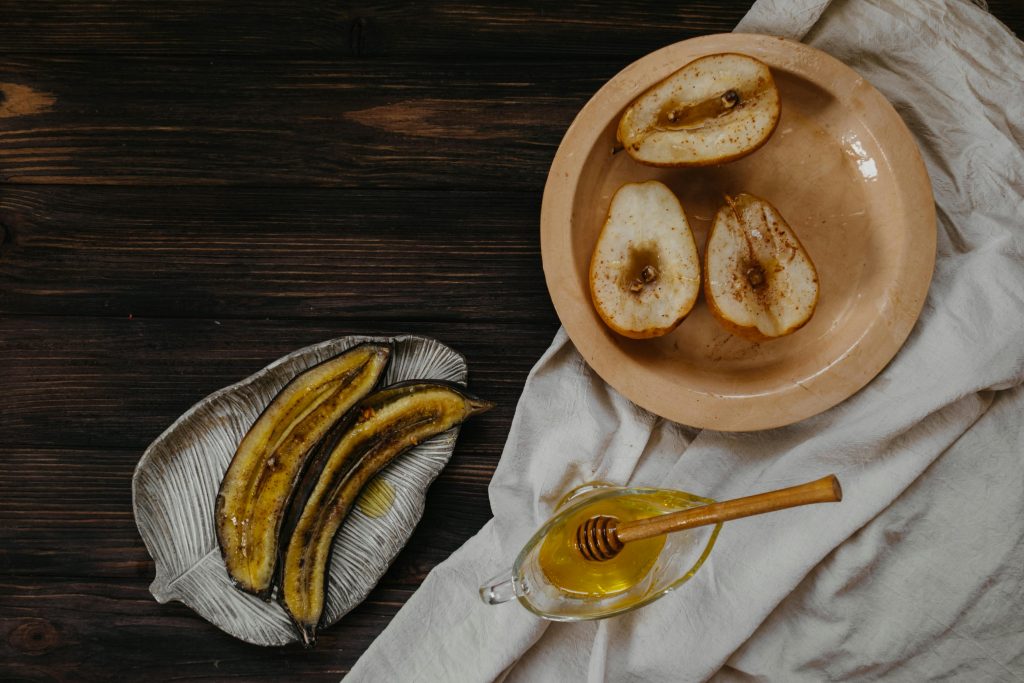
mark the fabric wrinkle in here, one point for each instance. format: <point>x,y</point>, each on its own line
<point>917,574</point>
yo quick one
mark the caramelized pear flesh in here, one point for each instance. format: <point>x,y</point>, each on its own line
<point>267,466</point>
<point>715,109</point>
<point>759,281</point>
<point>645,271</point>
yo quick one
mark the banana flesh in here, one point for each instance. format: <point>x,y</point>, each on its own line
<point>267,466</point>
<point>388,423</point>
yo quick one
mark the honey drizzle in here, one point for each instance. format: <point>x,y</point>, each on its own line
<point>377,498</point>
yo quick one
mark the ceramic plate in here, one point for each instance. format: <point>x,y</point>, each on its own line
<point>176,481</point>
<point>847,175</point>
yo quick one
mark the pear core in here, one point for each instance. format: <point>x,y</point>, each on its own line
<point>645,271</point>
<point>759,281</point>
<point>715,109</point>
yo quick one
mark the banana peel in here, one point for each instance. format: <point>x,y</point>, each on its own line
<point>267,468</point>
<point>385,425</point>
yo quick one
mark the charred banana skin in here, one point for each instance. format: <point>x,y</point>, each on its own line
<point>387,424</point>
<point>266,469</point>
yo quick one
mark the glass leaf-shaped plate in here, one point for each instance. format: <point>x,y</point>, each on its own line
<point>176,481</point>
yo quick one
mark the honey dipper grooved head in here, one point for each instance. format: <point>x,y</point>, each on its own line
<point>597,540</point>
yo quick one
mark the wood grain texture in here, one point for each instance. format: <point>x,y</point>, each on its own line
<point>278,169</point>
<point>100,630</point>
<point>287,122</point>
<point>119,382</point>
<point>67,513</point>
<point>433,29</point>
<point>436,29</point>
<point>294,252</point>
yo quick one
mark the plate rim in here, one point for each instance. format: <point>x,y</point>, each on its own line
<point>708,410</point>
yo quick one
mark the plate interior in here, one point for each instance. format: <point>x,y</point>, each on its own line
<point>838,184</point>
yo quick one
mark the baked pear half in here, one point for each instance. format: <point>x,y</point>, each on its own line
<point>759,281</point>
<point>714,110</point>
<point>645,271</point>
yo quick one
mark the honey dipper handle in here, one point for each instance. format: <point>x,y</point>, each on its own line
<point>824,490</point>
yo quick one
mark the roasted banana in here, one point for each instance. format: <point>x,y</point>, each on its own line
<point>268,464</point>
<point>388,423</point>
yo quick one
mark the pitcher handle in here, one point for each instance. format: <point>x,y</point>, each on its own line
<point>501,588</point>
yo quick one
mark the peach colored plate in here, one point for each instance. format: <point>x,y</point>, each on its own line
<point>847,175</point>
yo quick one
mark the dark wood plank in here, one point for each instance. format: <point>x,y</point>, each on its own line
<point>362,28</point>
<point>119,382</point>
<point>1010,12</point>
<point>204,252</point>
<point>624,30</point>
<point>68,513</point>
<point>196,121</point>
<point>98,630</point>
<point>182,27</point>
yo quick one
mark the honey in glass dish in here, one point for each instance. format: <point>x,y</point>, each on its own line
<point>574,575</point>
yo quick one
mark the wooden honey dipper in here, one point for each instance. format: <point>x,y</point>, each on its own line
<point>601,538</point>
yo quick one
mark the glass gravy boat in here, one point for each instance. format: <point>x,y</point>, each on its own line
<point>551,579</point>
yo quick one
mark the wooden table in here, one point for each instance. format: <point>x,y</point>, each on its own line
<point>189,190</point>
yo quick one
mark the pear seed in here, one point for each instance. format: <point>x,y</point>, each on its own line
<point>755,275</point>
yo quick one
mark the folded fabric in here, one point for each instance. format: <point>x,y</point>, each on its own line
<point>918,573</point>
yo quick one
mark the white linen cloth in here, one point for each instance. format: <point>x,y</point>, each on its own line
<point>919,573</point>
